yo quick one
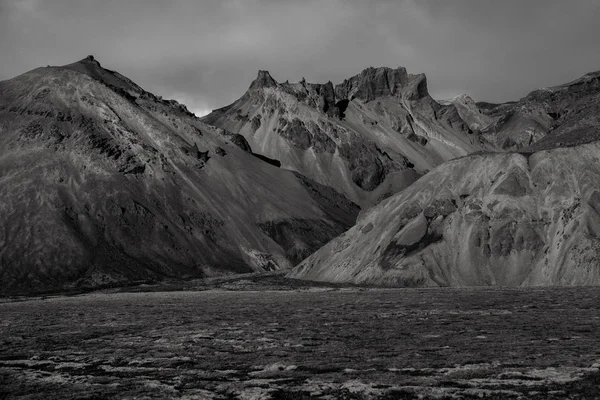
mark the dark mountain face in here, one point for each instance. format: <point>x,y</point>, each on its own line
<point>102,182</point>
<point>522,218</point>
<point>368,137</point>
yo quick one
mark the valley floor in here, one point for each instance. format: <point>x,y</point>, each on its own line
<point>303,342</point>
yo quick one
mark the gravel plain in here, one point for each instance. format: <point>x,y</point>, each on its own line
<point>303,342</point>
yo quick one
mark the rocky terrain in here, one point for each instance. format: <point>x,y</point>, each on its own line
<point>103,183</point>
<point>368,137</point>
<point>516,218</point>
<point>304,343</point>
<point>475,115</point>
<point>558,116</point>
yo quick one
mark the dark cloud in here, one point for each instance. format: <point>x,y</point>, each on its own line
<point>206,53</point>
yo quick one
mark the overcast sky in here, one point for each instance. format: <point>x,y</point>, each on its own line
<point>206,53</point>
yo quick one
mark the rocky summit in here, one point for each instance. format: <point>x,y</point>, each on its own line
<point>368,137</point>
<point>103,183</point>
<point>510,218</point>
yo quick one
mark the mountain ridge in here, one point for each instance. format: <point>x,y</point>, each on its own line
<point>382,115</point>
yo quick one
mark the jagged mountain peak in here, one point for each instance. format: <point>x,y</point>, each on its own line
<point>263,80</point>
<point>339,136</point>
<point>369,84</point>
<point>371,72</point>
<point>373,83</point>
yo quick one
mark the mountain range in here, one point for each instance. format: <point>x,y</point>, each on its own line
<point>528,215</point>
<point>370,181</point>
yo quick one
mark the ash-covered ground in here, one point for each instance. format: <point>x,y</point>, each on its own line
<point>226,340</point>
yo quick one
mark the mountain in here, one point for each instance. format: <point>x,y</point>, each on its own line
<point>368,137</point>
<point>470,112</point>
<point>104,183</point>
<point>511,219</point>
<point>563,115</point>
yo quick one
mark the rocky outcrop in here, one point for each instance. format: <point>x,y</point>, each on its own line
<point>104,184</point>
<point>368,165</point>
<point>263,80</point>
<point>295,131</point>
<point>373,83</point>
<point>236,139</point>
<point>470,112</point>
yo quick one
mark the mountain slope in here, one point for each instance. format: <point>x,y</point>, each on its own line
<point>563,115</point>
<point>368,137</point>
<point>519,218</point>
<point>487,219</point>
<point>470,112</point>
<point>102,183</point>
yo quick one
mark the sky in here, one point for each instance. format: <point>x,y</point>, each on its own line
<point>205,53</point>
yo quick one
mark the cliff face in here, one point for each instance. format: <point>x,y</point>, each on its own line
<point>368,137</point>
<point>488,219</point>
<point>104,183</point>
<point>373,83</point>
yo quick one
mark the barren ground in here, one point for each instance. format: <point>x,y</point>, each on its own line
<point>301,342</point>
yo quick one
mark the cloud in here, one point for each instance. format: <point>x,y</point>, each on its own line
<point>206,53</point>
